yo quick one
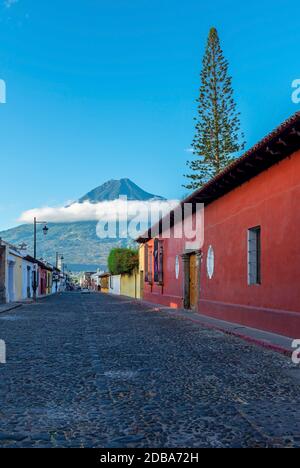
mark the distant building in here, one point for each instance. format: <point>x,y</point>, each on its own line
<point>17,275</point>
<point>104,282</point>
<point>96,281</point>
<point>115,284</point>
<point>11,273</point>
<point>86,279</point>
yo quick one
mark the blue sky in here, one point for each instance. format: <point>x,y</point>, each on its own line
<point>102,89</point>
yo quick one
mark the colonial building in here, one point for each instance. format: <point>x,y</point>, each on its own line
<point>126,284</point>
<point>115,285</point>
<point>86,279</point>
<point>247,270</point>
<point>104,282</point>
<point>17,275</point>
<point>2,273</point>
<point>11,273</point>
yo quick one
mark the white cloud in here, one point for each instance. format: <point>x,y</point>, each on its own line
<point>104,211</point>
<point>189,150</point>
<point>10,3</point>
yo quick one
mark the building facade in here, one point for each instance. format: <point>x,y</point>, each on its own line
<point>247,270</point>
<point>14,275</point>
<point>131,285</point>
<point>104,282</point>
<point>17,275</point>
<point>2,273</point>
<point>86,280</point>
<point>27,278</point>
<point>115,284</point>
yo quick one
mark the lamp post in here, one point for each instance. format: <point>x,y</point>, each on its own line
<point>45,231</point>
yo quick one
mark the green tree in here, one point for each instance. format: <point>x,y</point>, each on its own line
<point>122,261</point>
<point>218,134</point>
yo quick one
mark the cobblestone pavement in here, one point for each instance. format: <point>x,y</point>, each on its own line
<point>98,371</point>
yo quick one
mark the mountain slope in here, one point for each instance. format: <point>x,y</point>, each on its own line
<point>113,189</point>
<point>78,242</point>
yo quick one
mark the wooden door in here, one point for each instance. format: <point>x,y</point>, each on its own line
<point>193,282</point>
<point>142,279</point>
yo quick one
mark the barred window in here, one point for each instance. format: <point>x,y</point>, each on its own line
<point>150,267</point>
<point>254,255</point>
<point>156,260</point>
<point>161,263</point>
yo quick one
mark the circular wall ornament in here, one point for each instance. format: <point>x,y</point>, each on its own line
<point>210,262</point>
<point>177,267</point>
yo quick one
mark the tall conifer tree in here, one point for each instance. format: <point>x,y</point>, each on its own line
<point>218,137</point>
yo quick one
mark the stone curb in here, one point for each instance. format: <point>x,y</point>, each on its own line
<point>9,308</point>
<point>255,341</point>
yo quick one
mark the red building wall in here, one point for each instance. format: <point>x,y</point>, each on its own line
<point>42,282</point>
<point>171,293</point>
<point>269,200</point>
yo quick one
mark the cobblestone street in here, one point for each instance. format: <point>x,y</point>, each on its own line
<point>87,370</point>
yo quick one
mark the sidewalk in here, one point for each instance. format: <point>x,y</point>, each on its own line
<point>278,343</point>
<point>15,305</point>
<point>7,307</point>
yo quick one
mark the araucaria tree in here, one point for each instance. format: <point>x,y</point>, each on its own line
<point>218,137</point>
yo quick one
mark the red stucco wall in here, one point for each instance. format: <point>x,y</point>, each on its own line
<point>269,200</point>
<point>42,281</point>
<point>171,293</point>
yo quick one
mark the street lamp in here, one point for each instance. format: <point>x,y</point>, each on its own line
<point>45,231</point>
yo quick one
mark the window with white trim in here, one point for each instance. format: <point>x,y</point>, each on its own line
<point>150,265</point>
<point>146,262</point>
<point>158,263</point>
<point>254,255</point>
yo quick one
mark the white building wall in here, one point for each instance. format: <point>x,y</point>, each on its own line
<point>115,285</point>
<point>10,280</point>
<point>27,279</point>
<point>54,287</point>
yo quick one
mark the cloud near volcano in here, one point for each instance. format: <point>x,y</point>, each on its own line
<point>107,210</point>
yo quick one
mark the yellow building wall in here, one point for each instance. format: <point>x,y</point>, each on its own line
<point>104,284</point>
<point>131,285</point>
<point>49,282</point>
<point>142,257</point>
<point>141,270</point>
